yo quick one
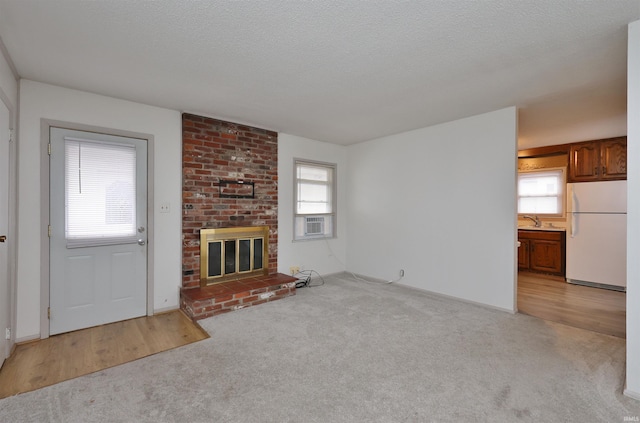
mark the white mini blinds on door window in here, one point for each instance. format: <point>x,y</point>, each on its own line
<point>100,193</point>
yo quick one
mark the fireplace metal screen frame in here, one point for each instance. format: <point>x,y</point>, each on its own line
<point>231,234</point>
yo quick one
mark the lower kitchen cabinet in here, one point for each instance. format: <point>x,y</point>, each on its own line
<point>542,251</point>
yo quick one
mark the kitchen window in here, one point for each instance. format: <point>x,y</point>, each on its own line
<point>314,200</point>
<point>541,192</point>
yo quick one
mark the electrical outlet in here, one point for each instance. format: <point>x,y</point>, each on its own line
<point>165,208</point>
<point>294,269</point>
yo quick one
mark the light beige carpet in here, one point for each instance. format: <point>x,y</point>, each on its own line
<point>352,351</point>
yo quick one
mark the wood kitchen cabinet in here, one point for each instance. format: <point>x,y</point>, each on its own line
<point>523,253</point>
<point>600,160</point>
<point>542,251</point>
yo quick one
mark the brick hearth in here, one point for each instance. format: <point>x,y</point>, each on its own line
<point>219,298</point>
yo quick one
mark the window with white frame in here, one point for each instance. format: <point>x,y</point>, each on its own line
<point>314,200</point>
<point>541,192</point>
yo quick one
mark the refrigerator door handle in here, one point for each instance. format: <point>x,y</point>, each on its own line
<point>573,213</point>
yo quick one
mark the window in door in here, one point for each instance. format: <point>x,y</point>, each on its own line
<point>100,193</point>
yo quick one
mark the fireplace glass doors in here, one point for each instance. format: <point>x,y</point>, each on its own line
<point>233,253</point>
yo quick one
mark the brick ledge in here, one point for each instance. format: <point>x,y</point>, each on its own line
<point>200,303</point>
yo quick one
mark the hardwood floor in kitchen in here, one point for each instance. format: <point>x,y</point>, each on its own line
<point>595,309</point>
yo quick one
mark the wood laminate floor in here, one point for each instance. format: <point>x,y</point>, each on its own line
<point>61,357</point>
<point>595,309</point>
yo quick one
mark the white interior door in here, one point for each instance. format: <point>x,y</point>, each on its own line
<point>5,308</point>
<point>98,210</point>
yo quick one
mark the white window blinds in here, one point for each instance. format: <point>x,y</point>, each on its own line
<point>315,200</point>
<point>100,193</point>
<point>314,189</point>
<point>541,192</point>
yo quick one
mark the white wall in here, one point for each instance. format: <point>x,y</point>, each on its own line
<point>38,101</point>
<point>438,202</point>
<point>8,84</point>
<point>601,113</point>
<point>323,256</point>
<point>633,212</point>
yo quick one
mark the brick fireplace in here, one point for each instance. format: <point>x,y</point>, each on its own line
<point>229,180</point>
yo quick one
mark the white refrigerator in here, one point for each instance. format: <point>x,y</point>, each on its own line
<point>597,234</point>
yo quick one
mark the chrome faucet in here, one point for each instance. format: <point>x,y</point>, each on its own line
<point>537,221</point>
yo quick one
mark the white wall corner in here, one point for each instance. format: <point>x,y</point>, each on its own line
<point>415,200</point>
<point>326,256</point>
<point>633,212</point>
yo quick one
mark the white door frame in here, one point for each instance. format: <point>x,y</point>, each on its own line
<point>12,234</point>
<point>45,125</point>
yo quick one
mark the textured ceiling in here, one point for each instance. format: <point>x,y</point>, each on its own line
<point>336,71</point>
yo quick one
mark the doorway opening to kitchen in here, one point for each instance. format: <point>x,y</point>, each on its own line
<point>549,254</point>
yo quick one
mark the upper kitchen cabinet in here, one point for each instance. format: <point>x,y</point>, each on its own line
<point>600,160</point>
<point>614,158</point>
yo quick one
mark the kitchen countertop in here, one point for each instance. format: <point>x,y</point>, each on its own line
<point>542,228</point>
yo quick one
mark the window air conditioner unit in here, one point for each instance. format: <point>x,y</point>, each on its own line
<point>314,225</point>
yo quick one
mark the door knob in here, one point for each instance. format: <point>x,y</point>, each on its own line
<point>3,238</point>
<point>141,242</point>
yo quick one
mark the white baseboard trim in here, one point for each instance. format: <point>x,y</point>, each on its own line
<point>632,394</point>
<point>426,291</point>
<point>464,300</point>
<point>366,278</point>
<point>29,338</point>
<point>165,309</point>
<point>334,274</point>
